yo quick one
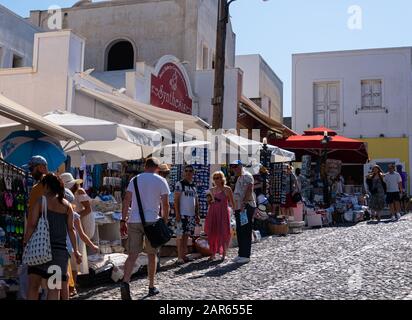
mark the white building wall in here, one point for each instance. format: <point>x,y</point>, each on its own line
<point>16,38</point>
<point>45,86</point>
<point>204,88</point>
<point>155,28</point>
<point>393,66</point>
<point>261,82</point>
<point>250,66</point>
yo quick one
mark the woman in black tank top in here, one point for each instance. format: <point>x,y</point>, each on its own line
<point>60,218</point>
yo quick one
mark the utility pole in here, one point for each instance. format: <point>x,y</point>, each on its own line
<point>220,61</point>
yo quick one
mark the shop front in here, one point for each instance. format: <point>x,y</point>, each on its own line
<point>331,176</point>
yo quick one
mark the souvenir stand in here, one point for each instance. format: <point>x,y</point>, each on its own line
<point>327,200</point>
<point>13,210</point>
<point>347,203</point>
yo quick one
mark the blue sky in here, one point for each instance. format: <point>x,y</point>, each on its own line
<point>276,29</point>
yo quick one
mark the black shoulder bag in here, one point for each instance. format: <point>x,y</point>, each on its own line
<point>157,233</point>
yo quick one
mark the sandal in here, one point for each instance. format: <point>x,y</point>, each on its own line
<point>212,258</point>
<point>73,292</point>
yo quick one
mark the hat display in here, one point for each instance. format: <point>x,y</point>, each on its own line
<point>68,180</point>
<point>261,199</point>
<point>164,167</point>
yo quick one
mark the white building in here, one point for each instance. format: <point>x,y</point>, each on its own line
<point>121,33</point>
<point>16,40</point>
<point>363,94</point>
<point>262,85</point>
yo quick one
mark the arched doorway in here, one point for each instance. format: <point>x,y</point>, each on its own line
<point>120,56</point>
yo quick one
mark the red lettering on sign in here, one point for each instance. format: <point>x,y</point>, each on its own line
<point>169,90</point>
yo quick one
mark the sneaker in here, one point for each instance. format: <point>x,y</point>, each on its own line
<point>393,218</point>
<point>398,216</point>
<point>243,260</point>
<point>153,291</point>
<point>235,260</point>
<point>125,291</point>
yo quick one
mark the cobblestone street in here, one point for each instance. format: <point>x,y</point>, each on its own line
<point>365,261</point>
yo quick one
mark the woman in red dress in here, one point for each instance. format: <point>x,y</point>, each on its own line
<point>217,224</point>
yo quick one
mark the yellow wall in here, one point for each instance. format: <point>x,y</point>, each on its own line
<point>389,148</point>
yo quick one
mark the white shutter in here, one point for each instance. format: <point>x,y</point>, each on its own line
<point>377,94</point>
<point>320,104</point>
<point>366,94</point>
<point>333,105</point>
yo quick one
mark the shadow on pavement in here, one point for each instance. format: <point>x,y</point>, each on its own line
<point>220,270</point>
<point>196,266</point>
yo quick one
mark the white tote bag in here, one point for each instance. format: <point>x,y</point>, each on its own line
<point>38,249</point>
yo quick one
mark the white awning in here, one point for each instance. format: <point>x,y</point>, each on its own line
<point>16,112</point>
<point>153,116</point>
<point>105,141</point>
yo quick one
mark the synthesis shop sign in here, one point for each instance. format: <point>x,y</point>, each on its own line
<point>170,90</point>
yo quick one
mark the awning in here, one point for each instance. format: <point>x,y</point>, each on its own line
<point>250,108</point>
<point>338,147</point>
<point>16,112</point>
<point>153,116</point>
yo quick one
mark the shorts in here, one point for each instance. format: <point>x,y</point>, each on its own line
<point>58,265</point>
<point>137,241</point>
<point>289,202</point>
<point>392,197</point>
<point>188,225</point>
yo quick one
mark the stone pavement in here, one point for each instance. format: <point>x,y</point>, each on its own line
<point>364,261</point>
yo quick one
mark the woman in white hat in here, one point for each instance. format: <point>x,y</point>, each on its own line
<point>81,203</point>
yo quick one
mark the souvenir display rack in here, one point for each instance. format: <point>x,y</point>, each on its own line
<point>201,180</point>
<point>277,185</point>
<point>13,210</point>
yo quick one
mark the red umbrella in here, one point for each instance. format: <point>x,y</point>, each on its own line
<point>338,147</point>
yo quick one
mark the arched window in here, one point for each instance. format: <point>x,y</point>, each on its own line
<point>120,56</point>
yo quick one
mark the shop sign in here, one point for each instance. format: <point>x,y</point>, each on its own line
<point>169,89</point>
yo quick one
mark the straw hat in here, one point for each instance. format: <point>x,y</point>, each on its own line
<point>69,181</point>
<point>164,167</point>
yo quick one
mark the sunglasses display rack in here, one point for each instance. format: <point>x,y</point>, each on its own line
<point>13,209</point>
<point>277,183</point>
<point>201,179</point>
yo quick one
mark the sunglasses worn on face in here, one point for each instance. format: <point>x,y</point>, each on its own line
<point>216,178</point>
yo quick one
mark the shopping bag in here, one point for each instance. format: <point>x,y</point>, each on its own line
<point>38,249</point>
<point>243,218</point>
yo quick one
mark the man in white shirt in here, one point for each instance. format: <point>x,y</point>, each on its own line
<point>153,190</point>
<point>393,182</point>
<point>187,211</point>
